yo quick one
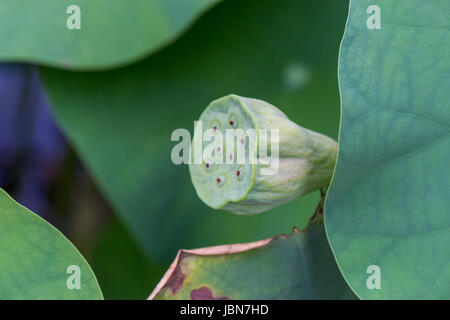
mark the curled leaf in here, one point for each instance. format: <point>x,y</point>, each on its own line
<point>295,266</point>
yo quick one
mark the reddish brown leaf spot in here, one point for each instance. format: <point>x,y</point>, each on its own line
<point>205,293</point>
<point>176,281</point>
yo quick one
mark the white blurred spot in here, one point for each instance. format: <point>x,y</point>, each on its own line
<point>296,76</point>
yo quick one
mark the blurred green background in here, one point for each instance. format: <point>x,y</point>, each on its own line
<point>116,194</point>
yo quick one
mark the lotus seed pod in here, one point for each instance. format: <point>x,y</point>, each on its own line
<point>248,157</point>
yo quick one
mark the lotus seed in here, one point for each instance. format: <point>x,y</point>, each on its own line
<point>239,173</point>
<point>208,166</point>
<point>215,126</point>
<point>220,181</point>
<point>232,121</point>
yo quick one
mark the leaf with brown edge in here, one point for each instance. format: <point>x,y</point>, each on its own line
<point>295,266</point>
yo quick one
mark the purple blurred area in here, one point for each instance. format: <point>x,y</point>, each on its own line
<point>31,146</point>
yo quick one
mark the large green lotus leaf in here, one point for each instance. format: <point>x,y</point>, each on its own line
<point>295,266</point>
<point>121,121</point>
<point>35,258</point>
<point>113,32</point>
<point>389,201</point>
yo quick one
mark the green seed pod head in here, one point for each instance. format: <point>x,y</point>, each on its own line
<point>282,160</point>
